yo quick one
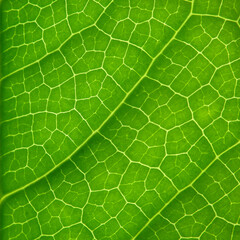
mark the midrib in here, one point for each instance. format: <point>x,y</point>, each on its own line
<point>4,197</point>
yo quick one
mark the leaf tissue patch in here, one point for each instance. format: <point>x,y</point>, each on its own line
<point>120,119</point>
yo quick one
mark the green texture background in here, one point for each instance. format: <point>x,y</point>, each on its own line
<point>120,119</point>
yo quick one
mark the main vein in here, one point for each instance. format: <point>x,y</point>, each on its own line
<point>189,185</point>
<point>4,197</point>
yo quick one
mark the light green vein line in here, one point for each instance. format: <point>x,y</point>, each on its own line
<point>189,185</point>
<point>57,49</point>
<point>106,120</point>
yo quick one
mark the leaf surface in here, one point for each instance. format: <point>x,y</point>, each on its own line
<point>120,119</point>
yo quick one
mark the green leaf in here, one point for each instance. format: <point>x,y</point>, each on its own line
<point>120,119</point>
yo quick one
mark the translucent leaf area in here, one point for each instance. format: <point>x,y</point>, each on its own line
<point>120,119</point>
